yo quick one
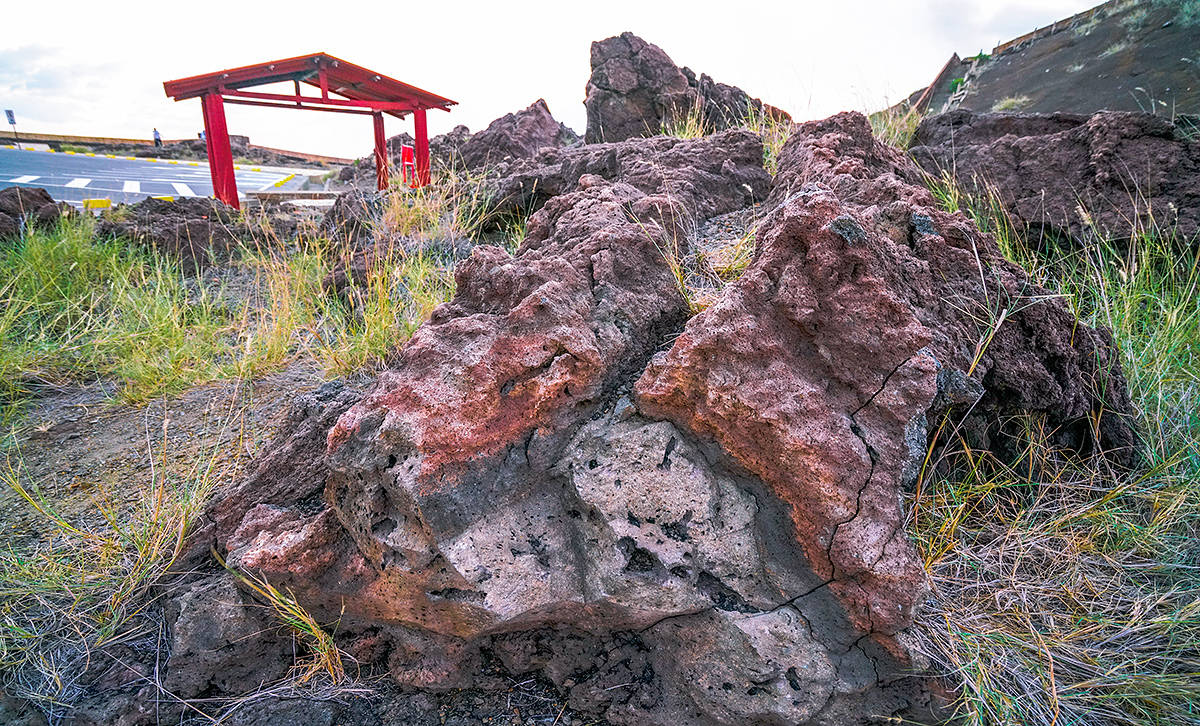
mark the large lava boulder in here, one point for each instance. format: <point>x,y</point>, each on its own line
<point>635,89</point>
<point>674,520</point>
<point>516,136</point>
<point>1072,177</point>
<point>21,206</point>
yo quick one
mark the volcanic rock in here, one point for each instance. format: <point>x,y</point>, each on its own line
<point>635,89</point>
<point>516,136</point>
<point>1072,177</point>
<point>221,642</point>
<point>196,231</point>
<point>674,521</point>
<point>29,205</point>
<point>857,264</point>
<point>710,176</point>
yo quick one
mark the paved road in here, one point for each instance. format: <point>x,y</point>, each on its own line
<point>75,177</point>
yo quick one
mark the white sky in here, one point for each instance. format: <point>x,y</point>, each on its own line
<point>97,68</point>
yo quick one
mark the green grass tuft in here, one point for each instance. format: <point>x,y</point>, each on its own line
<point>896,125</point>
<point>75,308</point>
<point>687,123</point>
<point>1065,592</point>
<point>774,131</point>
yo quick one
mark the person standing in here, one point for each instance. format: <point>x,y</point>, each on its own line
<point>157,139</point>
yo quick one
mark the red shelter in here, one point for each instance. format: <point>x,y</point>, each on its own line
<point>345,88</point>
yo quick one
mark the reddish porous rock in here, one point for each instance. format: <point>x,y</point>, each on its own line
<point>864,304</point>
<point>674,523</point>
<point>636,89</point>
<point>516,136</point>
<point>1068,176</point>
<point>708,176</point>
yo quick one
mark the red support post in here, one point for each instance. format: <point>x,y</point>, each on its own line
<point>422,134</point>
<point>381,152</point>
<point>220,155</point>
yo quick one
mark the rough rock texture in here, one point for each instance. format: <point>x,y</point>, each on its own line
<point>22,205</point>
<point>1070,176</point>
<point>708,176</point>
<point>194,230</point>
<point>856,264</point>
<point>635,88</point>
<point>673,522</point>
<point>516,136</point>
<point>723,106</point>
<point>222,642</point>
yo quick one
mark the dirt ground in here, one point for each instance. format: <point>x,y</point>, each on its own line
<point>78,447</point>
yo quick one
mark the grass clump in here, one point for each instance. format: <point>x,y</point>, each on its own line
<point>1011,103</point>
<point>73,307</point>
<point>78,309</point>
<point>1066,592</point>
<point>398,292</point>
<point>688,122</point>
<point>324,660</point>
<point>774,130</point>
<point>60,605</point>
<point>455,202</point>
<point>896,125</point>
<point>1114,49</point>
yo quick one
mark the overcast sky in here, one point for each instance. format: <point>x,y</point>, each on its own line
<point>97,68</point>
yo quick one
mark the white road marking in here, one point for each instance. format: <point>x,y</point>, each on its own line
<point>183,190</point>
<point>132,187</point>
<point>22,180</point>
<point>78,183</point>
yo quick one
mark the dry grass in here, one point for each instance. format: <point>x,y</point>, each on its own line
<point>895,125</point>
<point>74,309</point>
<point>773,130</point>
<point>687,123</point>
<point>1012,103</point>
<point>88,588</point>
<point>1066,592</point>
<point>322,661</point>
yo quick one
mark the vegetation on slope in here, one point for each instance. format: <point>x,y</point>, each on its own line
<point>76,309</point>
<point>1066,592</point>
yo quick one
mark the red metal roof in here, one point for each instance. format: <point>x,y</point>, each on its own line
<point>342,78</point>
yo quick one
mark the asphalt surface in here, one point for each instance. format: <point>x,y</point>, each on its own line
<point>75,177</point>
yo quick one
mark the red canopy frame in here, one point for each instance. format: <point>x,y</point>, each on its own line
<point>362,91</point>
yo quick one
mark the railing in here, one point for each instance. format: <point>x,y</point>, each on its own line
<point>1054,27</point>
